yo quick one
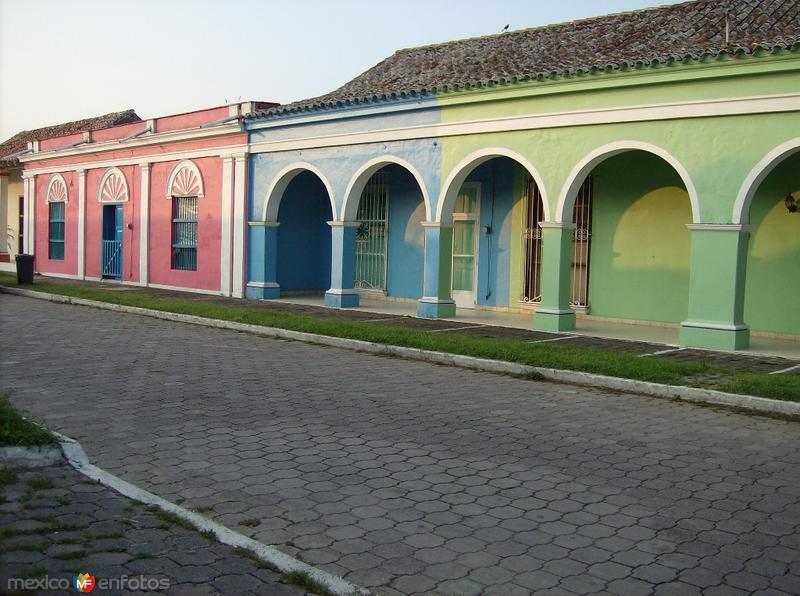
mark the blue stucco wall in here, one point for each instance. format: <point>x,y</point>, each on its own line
<point>355,119</point>
<point>496,178</point>
<point>406,243</point>
<point>304,236</point>
<point>339,166</point>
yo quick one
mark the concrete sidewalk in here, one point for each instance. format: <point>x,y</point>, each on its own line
<point>387,314</point>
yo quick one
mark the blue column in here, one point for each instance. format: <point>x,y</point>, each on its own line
<point>343,265</point>
<point>262,261</point>
<point>436,301</point>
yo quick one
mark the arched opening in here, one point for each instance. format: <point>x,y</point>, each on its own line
<point>304,236</point>
<point>388,201</point>
<point>632,247</point>
<point>495,201</point>
<point>772,282</point>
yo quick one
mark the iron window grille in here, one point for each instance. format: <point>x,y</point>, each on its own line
<point>371,234</point>
<point>532,245</point>
<point>184,233</point>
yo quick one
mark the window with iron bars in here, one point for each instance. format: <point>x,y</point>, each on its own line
<point>532,245</point>
<point>184,233</point>
<point>55,239</point>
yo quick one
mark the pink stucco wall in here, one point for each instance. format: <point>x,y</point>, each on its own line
<point>160,272</point>
<point>144,151</point>
<point>69,265</point>
<point>117,132</point>
<point>209,228</point>
<point>58,142</point>
<point>175,122</point>
<point>94,223</point>
<point>207,276</point>
<point>191,119</point>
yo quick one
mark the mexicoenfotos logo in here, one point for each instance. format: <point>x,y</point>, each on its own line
<point>83,582</point>
<point>86,582</point>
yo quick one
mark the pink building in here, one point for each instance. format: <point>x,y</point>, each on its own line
<point>158,203</point>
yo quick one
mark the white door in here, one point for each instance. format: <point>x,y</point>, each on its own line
<point>465,246</point>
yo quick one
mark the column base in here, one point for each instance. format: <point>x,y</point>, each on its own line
<point>263,291</point>
<point>433,308</point>
<point>714,336</point>
<point>553,320</point>
<point>341,299</point>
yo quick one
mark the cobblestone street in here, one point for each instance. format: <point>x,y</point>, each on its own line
<point>405,477</point>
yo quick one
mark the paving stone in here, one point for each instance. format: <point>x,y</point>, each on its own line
<point>396,466</point>
<point>414,584</point>
<point>459,587</point>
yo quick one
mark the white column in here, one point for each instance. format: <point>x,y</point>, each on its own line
<point>82,224</point>
<point>226,216</point>
<point>144,224</point>
<point>239,198</point>
<point>5,201</point>
<point>31,219</point>
<point>25,212</point>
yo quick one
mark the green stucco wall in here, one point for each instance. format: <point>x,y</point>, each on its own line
<point>641,248</point>
<point>717,151</point>
<point>772,290</point>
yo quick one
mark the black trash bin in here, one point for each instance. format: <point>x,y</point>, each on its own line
<point>24,269</point>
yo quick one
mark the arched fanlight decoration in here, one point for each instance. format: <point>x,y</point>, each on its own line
<point>113,187</point>
<point>185,180</point>
<point>56,189</point>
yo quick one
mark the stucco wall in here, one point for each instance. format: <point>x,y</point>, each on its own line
<point>304,236</point>
<point>209,228</point>
<point>640,248</point>
<point>69,264</point>
<point>94,223</point>
<point>773,258</point>
<point>406,243</point>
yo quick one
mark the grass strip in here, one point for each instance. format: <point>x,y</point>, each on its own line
<point>16,431</point>
<point>547,355</point>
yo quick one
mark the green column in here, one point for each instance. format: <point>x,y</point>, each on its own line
<point>716,288</point>
<point>554,312</point>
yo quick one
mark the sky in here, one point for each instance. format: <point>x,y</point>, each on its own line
<point>63,60</point>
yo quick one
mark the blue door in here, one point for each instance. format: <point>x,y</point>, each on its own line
<point>113,227</point>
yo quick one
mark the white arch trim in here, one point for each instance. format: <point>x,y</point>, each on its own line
<point>588,163</point>
<point>272,201</point>
<point>186,179</point>
<point>459,174</point>
<point>57,191</point>
<point>352,195</point>
<point>741,209</point>
<point>113,187</point>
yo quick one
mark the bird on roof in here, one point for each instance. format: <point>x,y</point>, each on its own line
<point>505,28</point>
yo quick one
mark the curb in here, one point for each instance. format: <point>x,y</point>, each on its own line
<point>690,394</point>
<point>76,457</point>
<point>30,457</point>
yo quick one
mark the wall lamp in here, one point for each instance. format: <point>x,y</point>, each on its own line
<point>791,203</point>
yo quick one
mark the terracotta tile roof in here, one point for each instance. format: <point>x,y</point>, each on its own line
<point>675,32</point>
<point>19,142</point>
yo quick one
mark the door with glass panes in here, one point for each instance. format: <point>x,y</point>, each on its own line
<point>465,246</point>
